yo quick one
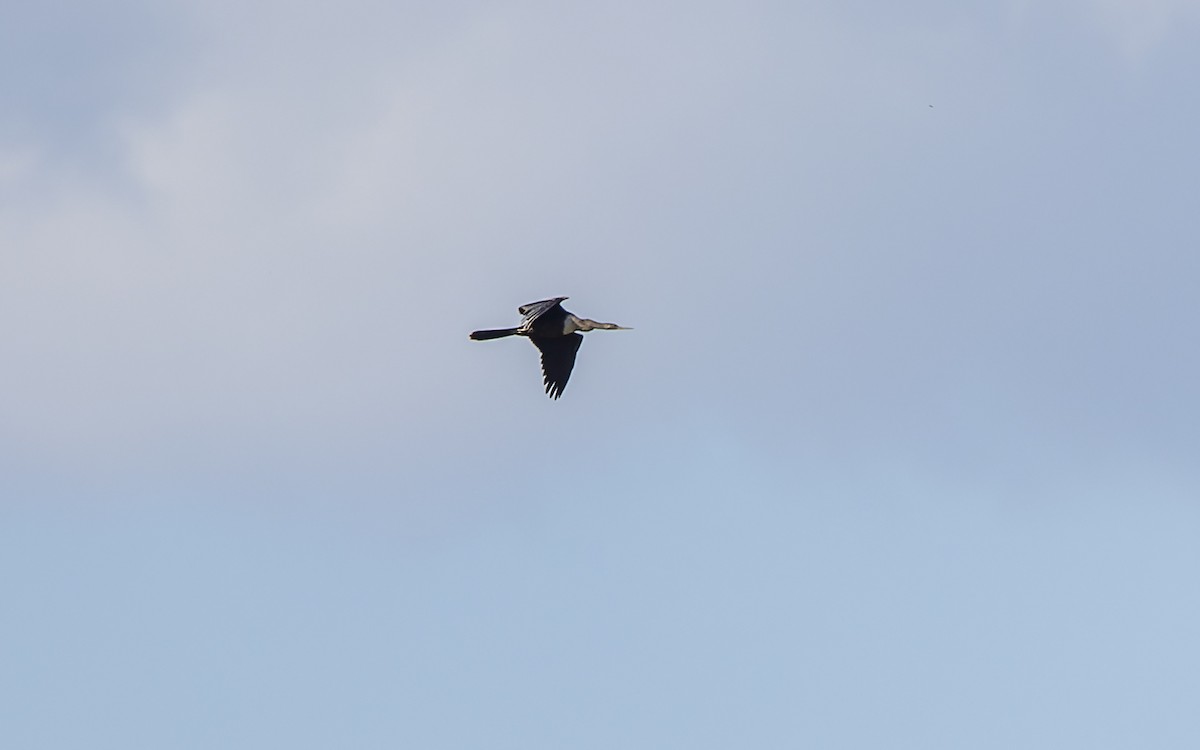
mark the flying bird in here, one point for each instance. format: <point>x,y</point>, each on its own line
<point>555,332</point>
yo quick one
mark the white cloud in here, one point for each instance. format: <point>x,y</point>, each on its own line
<point>15,166</point>
<point>1134,27</point>
<point>1139,25</point>
<point>297,239</point>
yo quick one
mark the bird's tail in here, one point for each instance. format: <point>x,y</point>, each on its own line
<point>497,333</point>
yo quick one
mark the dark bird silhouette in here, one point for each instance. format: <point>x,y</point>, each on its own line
<point>555,332</point>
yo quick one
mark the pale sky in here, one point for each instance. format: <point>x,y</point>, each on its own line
<point>900,454</point>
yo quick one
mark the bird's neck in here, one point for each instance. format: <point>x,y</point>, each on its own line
<point>575,323</point>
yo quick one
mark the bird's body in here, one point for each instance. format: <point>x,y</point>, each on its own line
<point>556,333</point>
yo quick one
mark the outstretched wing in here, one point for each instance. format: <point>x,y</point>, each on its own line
<point>535,310</point>
<point>558,358</point>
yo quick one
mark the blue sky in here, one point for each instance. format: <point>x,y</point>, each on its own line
<point>900,454</point>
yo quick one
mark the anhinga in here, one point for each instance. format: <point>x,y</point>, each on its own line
<point>555,332</point>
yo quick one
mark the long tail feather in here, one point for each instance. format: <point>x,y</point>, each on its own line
<point>497,333</point>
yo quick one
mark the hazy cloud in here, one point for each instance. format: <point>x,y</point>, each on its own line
<point>299,229</point>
